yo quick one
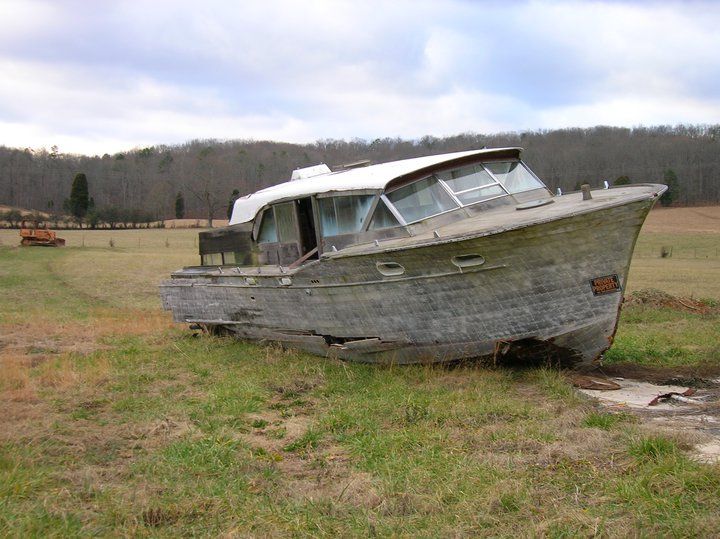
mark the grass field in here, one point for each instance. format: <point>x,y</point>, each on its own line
<point>117,422</point>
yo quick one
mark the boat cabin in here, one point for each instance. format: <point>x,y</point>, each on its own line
<point>321,211</point>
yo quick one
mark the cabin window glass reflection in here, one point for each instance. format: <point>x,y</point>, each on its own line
<point>383,217</point>
<point>421,199</point>
<point>465,178</point>
<point>471,184</point>
<point>268,231</point>
<point>344,215</point>
<point>478,195</point>
<point>514,176</point>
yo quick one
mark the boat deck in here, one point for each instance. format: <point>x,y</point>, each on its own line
<point>509,217</point>
<point>492,221</point>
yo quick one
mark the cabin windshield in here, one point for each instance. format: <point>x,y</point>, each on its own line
<point>471,184</point>
<point>383,217</point>
<point>514,176</point>
<point>421,199</point>
<point>462,186</point>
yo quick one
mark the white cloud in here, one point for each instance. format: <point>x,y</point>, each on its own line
<point>632,112</point>
<point>106,77</point>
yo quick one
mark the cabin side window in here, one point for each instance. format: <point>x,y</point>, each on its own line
<point>268,231</point>
<point>421,199</point>
<point>343,214</point>
<point>514,176</point>
<point>285,222</point>
<point>278,224</point>
<point>286,232</point>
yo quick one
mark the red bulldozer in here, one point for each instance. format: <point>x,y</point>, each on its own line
<point>38,234</point>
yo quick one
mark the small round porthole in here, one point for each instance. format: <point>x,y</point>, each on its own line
<point>467,261</point>
<point>390,269</point>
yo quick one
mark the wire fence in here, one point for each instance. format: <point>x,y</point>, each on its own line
<point>143,239</point>
<point>678,252</point>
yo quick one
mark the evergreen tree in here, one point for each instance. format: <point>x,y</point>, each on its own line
<point>179,206</point>
<point>79,200</point>
<point>671,195</point>
<point>235,195</point>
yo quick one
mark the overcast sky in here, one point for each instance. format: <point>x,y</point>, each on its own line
<point>105,76</point>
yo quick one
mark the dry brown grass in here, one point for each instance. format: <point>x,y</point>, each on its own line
<point>700,220</point>
<point>137,430</point>
<point>23,211</point>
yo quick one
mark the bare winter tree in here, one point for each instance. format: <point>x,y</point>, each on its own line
<point>148,179</point>
<point>204,187</point>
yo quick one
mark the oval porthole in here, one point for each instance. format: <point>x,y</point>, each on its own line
<point>390,269</point>
<point>467,261</point>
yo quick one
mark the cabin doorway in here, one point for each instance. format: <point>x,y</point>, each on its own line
<point>306,224</point>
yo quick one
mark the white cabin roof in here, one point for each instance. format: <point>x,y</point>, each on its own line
<point>370,177</point>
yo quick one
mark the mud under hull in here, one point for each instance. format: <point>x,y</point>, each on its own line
<point>532,297</point>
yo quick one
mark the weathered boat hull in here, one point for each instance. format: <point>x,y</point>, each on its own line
<point>531,299</point>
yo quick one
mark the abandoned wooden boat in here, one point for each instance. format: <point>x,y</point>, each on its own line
<point>439,258</point>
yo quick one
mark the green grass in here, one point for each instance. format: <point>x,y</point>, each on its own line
<point>117,422</point>
<point>605,421</point>
<point>666,338</point>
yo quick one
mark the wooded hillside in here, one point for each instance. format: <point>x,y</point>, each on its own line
<point>207,171</point>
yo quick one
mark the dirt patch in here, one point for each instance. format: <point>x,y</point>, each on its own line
<point>691,415</point>
<point>703,376</point>
<point>654,298</point>
<point>307,466</point>
<point>708,452</point>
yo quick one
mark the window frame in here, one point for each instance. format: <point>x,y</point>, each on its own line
<point>346,194</point>
<point>382,199</point>
<point>443,186</point>
<point>271,208</point>
<point>482,167</point>
<point>454,194</point>
<point>527,169</point>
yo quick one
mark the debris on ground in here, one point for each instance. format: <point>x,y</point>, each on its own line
<point>680,397</point>
<point>695,411</point>
<point>652,297</point>
<point>702,376</point>
<point>636,394</point>
<point>594,383</point>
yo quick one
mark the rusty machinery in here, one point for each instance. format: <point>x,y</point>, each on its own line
<point>37,233</point>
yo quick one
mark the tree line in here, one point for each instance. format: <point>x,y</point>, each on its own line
<point>200,178</point>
